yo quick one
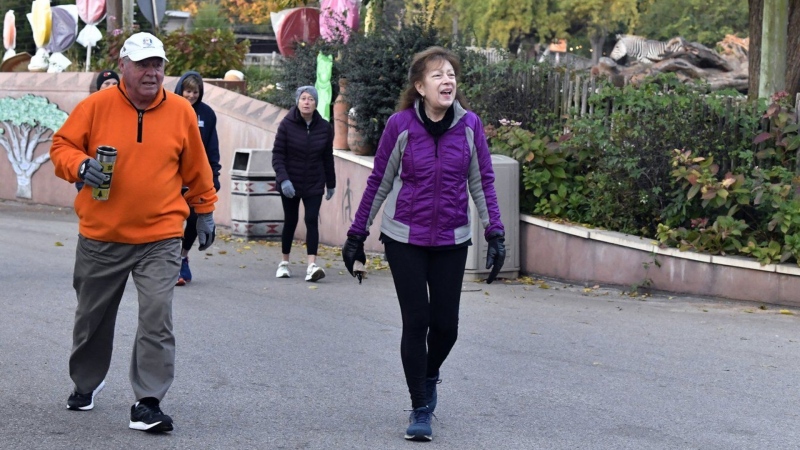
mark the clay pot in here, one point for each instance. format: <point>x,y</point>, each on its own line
<point>340,121</point>
<point>355,141</point>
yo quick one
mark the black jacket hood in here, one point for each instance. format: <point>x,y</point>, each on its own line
<point>179,87</point>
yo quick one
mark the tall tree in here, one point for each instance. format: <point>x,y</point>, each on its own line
<point>793,50</point>
<point>703,21</point>
<point>755,18</point>
<point>602,17</point>
<point>505,22</point>
<point>792,47</point>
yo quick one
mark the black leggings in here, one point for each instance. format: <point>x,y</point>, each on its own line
<point>417,271</point>
<point>291,215</point>
<point>190,233</point>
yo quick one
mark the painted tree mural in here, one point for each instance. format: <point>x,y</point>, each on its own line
<point>25,123</point>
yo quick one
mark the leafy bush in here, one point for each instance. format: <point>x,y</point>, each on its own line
<point>261,82</point>
<point>628,149</point>
<point>376,69</point>
<point>661,163</point>
<point>513,89</point>
<point>761,202</point>
<point>375,66</point>
<point>301,70</point>
<point>211,52</point>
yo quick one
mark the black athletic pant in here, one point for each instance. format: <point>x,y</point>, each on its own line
<point>291,215</point>
<point>430,322</point>
<point>190,233</point>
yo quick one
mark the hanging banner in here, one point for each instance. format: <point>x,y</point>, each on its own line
<point>338,18</point>
<point>63,35</point>
<point>91,13</point>
<point>40,19</point>
<point>9,35</point>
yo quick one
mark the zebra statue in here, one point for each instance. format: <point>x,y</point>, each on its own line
<point>639,48</point>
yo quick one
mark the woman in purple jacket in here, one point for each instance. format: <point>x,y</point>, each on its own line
<point>431,157</point>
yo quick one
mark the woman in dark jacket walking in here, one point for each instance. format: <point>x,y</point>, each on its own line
<point>302,158</point>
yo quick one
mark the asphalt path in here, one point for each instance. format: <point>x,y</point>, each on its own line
<point>266,363</point>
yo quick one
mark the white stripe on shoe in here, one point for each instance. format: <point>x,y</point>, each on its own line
<point>90,406</point>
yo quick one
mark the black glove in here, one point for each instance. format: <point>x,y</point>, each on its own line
<point>91,172</point>
<point>353,250</point>
<point>206,230</point>
<point>495,254</point>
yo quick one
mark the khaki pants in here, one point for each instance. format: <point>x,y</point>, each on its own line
<point>101,272</point>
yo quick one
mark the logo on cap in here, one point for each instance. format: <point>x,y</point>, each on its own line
<point>147,42</point>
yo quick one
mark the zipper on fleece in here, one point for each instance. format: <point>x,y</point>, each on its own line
<point>436,190</point>
<point>140,112</point>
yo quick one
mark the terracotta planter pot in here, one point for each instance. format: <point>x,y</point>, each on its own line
<point>355,141</point>
<point>340,120</point>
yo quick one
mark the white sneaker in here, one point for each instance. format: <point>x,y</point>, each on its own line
<point>314,273</point>
<point>283,270</point>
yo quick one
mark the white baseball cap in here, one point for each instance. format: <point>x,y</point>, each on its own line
<point>142,46</point>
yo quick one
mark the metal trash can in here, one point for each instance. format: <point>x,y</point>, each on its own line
<point>256,210</point>
<point>506,183</point>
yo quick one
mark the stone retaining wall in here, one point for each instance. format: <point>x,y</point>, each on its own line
<point>588,256</point>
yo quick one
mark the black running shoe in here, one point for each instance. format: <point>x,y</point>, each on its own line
<point>84,402</point>
<point>149,417</point>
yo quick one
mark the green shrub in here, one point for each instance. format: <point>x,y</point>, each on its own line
<point>301,70</point>
<point>211,52</point>
<point>376,69</point>
<point>760,201</point>
<point>261,82</point>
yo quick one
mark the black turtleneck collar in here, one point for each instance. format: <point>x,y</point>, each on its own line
<point>437,129</point>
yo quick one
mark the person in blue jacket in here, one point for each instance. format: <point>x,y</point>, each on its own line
<point>190,86</point>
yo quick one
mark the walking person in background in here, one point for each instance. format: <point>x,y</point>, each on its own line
<point>106,79</point>
<point>432,153</point>
<point>302,158</point>
<point>134,229</point>
<point>190,86</point>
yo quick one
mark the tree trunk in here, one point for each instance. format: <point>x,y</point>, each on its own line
<point>597,40</point>
<point>793,50</point>
<point>756,17</point>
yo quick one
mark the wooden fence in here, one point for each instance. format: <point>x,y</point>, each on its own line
<point>567,95</point>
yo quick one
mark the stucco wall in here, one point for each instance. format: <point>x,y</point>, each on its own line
<point>242,122</point>
<point>591,257</point>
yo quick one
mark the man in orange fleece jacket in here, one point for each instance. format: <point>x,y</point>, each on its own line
<point>138,229</point>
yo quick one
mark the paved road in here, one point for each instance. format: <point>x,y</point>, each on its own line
<point>284,364</point>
